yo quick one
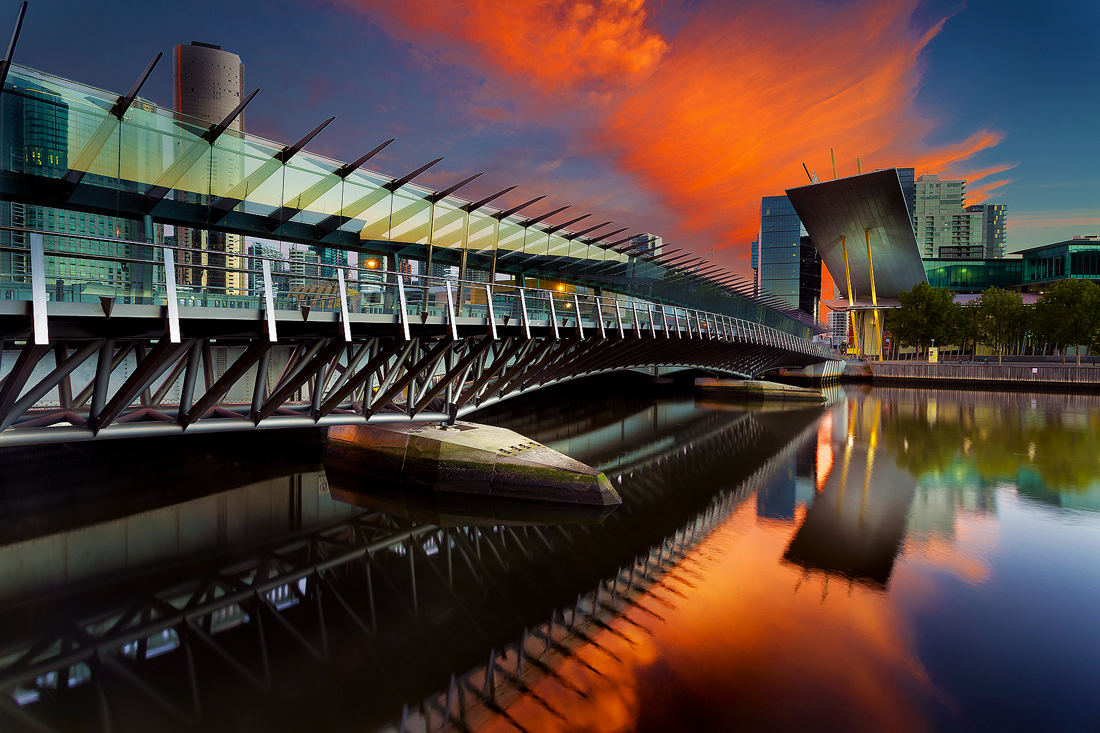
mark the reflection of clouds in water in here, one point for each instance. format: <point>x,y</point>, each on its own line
<point>726,656</point>
<point>963,549</point>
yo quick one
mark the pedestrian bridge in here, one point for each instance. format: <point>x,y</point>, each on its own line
<point>132,301</point>
<point>429,350</point>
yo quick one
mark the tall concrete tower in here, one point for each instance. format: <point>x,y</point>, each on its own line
<point>209,84</point>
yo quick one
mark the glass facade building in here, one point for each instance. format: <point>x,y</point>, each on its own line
<point>1075,258</point>
<point>974,276</point>
<point>40,123</point>
<point>788,265</point>
<point>907,176</point>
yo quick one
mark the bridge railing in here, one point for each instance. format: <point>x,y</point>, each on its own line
<point>55,266</point>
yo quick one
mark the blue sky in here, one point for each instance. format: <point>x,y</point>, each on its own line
<point>670,117</point>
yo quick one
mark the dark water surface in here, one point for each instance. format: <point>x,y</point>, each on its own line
<point>897,560</point>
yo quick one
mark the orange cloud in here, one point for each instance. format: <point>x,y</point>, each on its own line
<point>554,44</point>
<point>719,115</point>
<point>732,115</point>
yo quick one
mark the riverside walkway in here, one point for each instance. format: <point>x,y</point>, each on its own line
<point>1022,375</point>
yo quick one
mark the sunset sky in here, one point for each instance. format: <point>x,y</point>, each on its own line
<point>672,117</point>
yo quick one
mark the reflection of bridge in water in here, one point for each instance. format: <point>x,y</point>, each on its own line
<point>345,621</point>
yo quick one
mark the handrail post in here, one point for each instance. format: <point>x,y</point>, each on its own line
<point>344,304</point>
<point>523,315</point>
<point>492,316</point>
<point>577,306</point>
<point>401,303</point>
<point>553,315</point>
<point>170,295</point>
<point>269,300</point>
<point>38,292</point>
<point>451,311</point>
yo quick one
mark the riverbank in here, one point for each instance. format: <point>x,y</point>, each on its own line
<point>1021,376</point>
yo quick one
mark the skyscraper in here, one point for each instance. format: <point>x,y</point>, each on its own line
<point>331,258</point>
<point>42,124</point>
<point>939,218</point>
<point>909,189</point>
<point>786,258</point>
<point>209,84</point>
<point>993,226</point>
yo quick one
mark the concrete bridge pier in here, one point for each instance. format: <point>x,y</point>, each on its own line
<point>466,458</point>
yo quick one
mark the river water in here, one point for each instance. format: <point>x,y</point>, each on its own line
<point>895,560</point>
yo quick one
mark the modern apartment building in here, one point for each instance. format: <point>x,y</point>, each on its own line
<point>948,229</point>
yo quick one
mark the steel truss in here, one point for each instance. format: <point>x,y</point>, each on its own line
<point>369,373</point>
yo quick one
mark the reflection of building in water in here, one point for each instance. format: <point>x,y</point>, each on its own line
<point>790,486</point>
<point>855,527</point>
<point>219,522</point>
<point>776,500</point>
<point>939,498</point>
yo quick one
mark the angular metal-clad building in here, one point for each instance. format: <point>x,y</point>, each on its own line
<point>849,206</point>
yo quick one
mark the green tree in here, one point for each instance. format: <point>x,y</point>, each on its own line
<point>966,325</point>
<point>926,315</point>
<point>1069,314</point>
<point>1001,319</point>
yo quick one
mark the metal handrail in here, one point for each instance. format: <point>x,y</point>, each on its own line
<point>714,324</point>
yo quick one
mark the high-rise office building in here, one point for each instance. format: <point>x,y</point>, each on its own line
<point>305,266</point>
<point>256,250</point>
<point>909,189</point>
<point>809,276</point>
<point>993,226</point>
<point>209,84</point>
<point>754,263</point>
<point>786,258</point>
<point>938,217</point>
<point>41,123</point>
<point>330,258</point>
<point>649,244</point>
